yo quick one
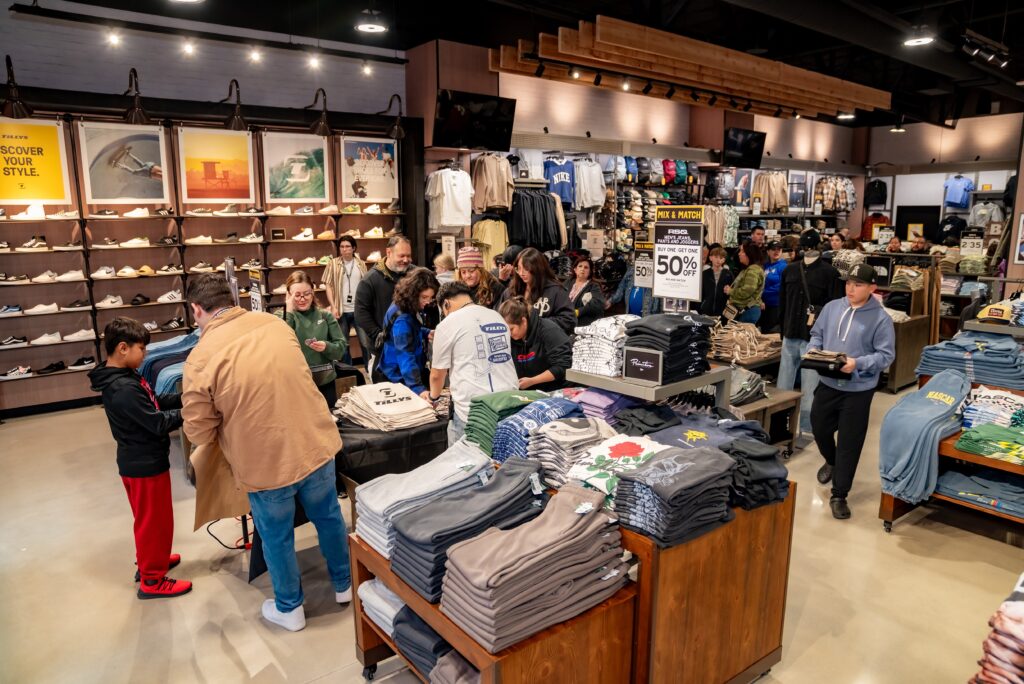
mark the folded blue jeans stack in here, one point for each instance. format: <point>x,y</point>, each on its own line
<point>982,357</point>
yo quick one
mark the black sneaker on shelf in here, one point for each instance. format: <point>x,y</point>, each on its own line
<point>140,299</point>
<point>252,263</point>
<point>77,305</point>
<point>168,241</point>
<point>12,341</point>
<point>174,324</point>
<point>163,212</point>
<point>70,246</point>
<point>19,279</point>
<point>106,243</point>
<point>232,237</point>
<point>84,363</point>
<point>103,213</point>
<point>54,367</point>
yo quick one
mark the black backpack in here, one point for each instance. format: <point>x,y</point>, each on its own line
<point>643,170</point>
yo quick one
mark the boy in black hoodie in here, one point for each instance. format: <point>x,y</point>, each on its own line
<point>141,427</point>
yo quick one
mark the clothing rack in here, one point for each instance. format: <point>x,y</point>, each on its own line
<point>531,183</point>
<point>453,164</point>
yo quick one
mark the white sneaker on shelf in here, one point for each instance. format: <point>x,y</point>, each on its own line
<point>280,289</point>
<point>136,242</point>
<point>70,277</point>
<point>151,326</point>
<point>139,212</point>
<point>329,209</point>
<point>36,244</point>
<point>251,237</point>
<point>306,234</point>
<point>308,261</point>
<point>39,309</point>
<point>169,297</point>
<point>286,262</point>
<point>127,272</point>
<point>48,338</point>
<point>230,210</point>
<point>372,209</point>
<point>62,216</point>
<point>104,272</point>
<point>279,211</point>
<point>33,212</point>
<point>375,232</point>
<point>81,336</point>
<point>200,240</point>
<point>202,267</point>
<point>109,302</point>
<point>45,277</point>
<point>222,267</point>
<point>17,372</point>
<point>293,621</point>
<point>169,269</point>
<point>199,211</point>
<point>374,257</point>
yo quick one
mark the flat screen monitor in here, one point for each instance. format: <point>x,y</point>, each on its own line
<point>743,148</point>
<point>473,121</point>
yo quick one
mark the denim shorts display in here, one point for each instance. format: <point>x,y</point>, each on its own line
<point>908,459</point>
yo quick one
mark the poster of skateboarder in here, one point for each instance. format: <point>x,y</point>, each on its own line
<point>296,166</point>
<point>216,166</point>
<point>369,170</point>
<point>123,164</point>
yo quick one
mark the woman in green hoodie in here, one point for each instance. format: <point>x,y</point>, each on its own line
<point>745,291</point>
<point>318,332</point>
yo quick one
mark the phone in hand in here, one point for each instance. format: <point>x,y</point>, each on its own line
<point>309,341</point>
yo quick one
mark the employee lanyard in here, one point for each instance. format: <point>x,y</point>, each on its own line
<point>348,274</point>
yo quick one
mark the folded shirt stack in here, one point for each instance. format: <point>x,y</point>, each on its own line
<point>984,358</point>
<point>1003,659</point>
<point>992,489</point>
<point>744,343</point>
<point>512,434</point>
<point>559,444</point>
<point>452,668</point>
<point>385,406</point>
<point>759,477</point>
<point>600,466</point>
<point>487,411</point>
<point>643,420</point>
<point>676,496</point>
<point>699,429</point>
<point>504,586</point>
<point>746,387</point>
<point>908,459</point>
<point>512,496</point>
<point>993,406</point>
<point>994,441</point>
<point>908,277</point>
<point>1017,313</point>
<point>684,339</point>
<point>418,642</point>
<point>380,604</point>
<point>598,347</point>
<point>598,403</point>
<point>379,501</point>
<point>972,265</point>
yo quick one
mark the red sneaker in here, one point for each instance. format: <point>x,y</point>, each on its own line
<point>172,562</point>
<point>163,588</point>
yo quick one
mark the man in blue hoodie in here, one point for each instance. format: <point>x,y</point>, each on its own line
<point>858,327</point>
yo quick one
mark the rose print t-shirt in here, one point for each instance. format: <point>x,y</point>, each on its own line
<point>600,467</point>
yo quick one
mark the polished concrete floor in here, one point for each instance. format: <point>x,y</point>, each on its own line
<point>863,606</point>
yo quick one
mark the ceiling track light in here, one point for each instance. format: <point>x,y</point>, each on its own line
<point>320,126</point>
<point>733,103</point>
<point>576,73</point>
<point>540,70</point>
<point>670,93</point>
<point>747,106</point>
<point>1006,60</point>
<point>13,106</point>
<point>796,114</point>
<point>625,84</point>
<point>597,78</point>
<point>395,130</point>
<point>647,88</point>
<point>713,100</point>
<point>370,22</point>
<point>778,112</point>
<point>695,96</point>
<point>235,122</point>
<point>135,114</point>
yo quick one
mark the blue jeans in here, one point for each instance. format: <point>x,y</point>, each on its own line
<point>793,349</point>
<point>347,322</point>
<point>456,428</point>
<point>273,511</point>
<point>751,315</point>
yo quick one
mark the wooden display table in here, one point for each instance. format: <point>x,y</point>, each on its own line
<point>911,339</point>
<point>777,401</point>
<point>594,647</point>
<point>712,610</point>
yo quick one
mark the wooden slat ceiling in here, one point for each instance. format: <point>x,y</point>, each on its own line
<point>622,51</point>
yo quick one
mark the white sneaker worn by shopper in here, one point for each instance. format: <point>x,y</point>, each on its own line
<point>293,621</point>
<point>343,596</point>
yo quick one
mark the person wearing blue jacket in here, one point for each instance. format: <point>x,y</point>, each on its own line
<point>773,268</point>
<point>403,357</point>
<point>857,326</point>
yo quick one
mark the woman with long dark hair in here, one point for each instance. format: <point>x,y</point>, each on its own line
<point>536,283</point>
<point>403,358</point>
<point>584,293</point>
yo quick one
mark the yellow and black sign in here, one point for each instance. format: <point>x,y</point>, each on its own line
<point>682,214</point>
<point>32,162</point>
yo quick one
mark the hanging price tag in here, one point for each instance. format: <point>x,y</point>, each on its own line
<point>884,235</point>
<point>643,271</point>
<point>448,245</point>
<point>595,242</point>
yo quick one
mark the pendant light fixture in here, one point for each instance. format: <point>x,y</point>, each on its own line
<point>235,122</point>
<point>395,131</point>
<point>320,126</point>
<point>13,106</point>
<point>919,36</point>
<point>370,21</point>
<point>135,114</point>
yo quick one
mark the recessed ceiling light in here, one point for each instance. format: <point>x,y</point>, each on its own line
<point>188,2</point>
<point>367,69</point>
<point>575,73</point>
<point>314,62</point>
<point>255,55</point>
<point>188,48</point>
<point>625,85</point>
<point>370,22</point>
<point>113,38</point>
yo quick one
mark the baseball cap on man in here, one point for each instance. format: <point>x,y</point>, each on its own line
<point>863,273</point>
<point>774,244</point>
<point>810,239</point>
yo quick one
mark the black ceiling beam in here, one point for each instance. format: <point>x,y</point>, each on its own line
<point>60,15</point>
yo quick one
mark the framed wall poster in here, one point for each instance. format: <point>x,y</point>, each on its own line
<point>369,170</point>
<point>1018,252</point>
<point>744,181</point>
<point>216,166</point>
<point>295,168</point>
<point>33,162</point>
<point>123,164</point>
<point>798,189</point>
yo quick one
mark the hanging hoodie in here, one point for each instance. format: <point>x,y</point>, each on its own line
<point>865,334</point>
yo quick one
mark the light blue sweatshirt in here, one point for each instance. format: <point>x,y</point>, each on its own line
<point>865,334</point>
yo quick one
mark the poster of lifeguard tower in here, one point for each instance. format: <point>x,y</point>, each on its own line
<point>216,166</point>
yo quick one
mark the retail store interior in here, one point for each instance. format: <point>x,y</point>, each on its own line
<point>501,342</point>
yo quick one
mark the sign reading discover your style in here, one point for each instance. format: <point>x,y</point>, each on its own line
<point>678,238</point>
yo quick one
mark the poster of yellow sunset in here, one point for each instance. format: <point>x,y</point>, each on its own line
<point>216,166</point>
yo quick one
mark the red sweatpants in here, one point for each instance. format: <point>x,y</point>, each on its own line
<point>150,498</point>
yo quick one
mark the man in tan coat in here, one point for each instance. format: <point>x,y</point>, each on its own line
<point>247,387</point>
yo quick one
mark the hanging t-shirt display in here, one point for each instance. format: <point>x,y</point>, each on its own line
<point>561,177</point>
<point>450,193</point>
<point>958,191</point>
